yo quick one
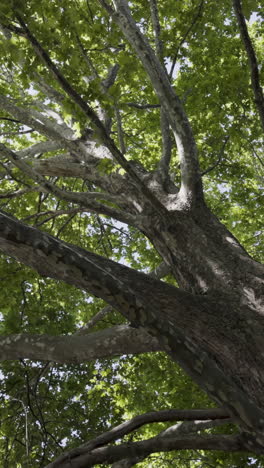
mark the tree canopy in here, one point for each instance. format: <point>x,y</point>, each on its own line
<point>126,129</point>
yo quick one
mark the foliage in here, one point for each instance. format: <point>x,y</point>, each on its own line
<point>71,404</point>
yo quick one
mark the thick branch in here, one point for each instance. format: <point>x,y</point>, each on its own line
<point>39,148</point>
<point>159,272</point>
<point>154,445</point>
<point>156,27</point>
<point>66,166</point>
<point>217,415</point>
<point>253,63</point>
<point>106,343</point>
<point>191,427</point>
<point>156,416</point>
<point>120,129</point>
<point>170,314</point>
<point>191,187</point>
<point>164,123</point>
<point>117,332</point>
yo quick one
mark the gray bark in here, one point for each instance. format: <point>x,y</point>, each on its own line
<point>144,448</point>
<point>194,421</point>
<point>110,342</point>
<point>212,325</point>
<point>189,327</point>
<point>191,188</point>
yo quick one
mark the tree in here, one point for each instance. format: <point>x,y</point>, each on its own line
<point>105,107</point>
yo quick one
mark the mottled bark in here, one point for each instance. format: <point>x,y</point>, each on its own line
<point>110,342</point>
<point>213,325</point>
<point>205,257</point>
<point>191,186</point>
<point>214,337</point>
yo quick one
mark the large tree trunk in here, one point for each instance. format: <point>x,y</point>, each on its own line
<point>216,336</point>
<point>205,257</point>
<point>208,261</point>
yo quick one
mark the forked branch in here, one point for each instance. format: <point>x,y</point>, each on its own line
<point>87,200</point>
<point>191,186</point>
<point>92,116</point>
<point>200,419</point>
<point>110,454</point>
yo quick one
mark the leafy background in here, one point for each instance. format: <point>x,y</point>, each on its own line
<point>70,404</point>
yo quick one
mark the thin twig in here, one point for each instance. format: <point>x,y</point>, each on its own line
<point>220,155</point>
<point>142,106</point>
<point>194,21</point>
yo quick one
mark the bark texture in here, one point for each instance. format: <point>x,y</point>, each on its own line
<point>212,324</point>
<point>215,337</point>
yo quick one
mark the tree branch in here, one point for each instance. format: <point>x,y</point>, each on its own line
<point>53,214</point>
<point>220,155</point>
<point>156,28</point>
<point>89,112</point>
<point>131,293</point>
<point>120,187</point>
<point>78,348</point>
<point>19,193</point>
<point>94,320</point>
<point>164,163</point>
<point>253,63</point>
<point>39,148</point>
<point>65,166</point>
<point>186,34</point>
<point>154,445</point>
<point>191,187</point>
<point>119,129</point>
<point>215,415</point>
<point>48,90</point>
<point>159,272</point>
<point>26,117</point>
<point>87,199</point>
<point>141,106</point>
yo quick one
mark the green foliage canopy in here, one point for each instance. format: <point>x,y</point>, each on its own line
<point>203,53</point>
